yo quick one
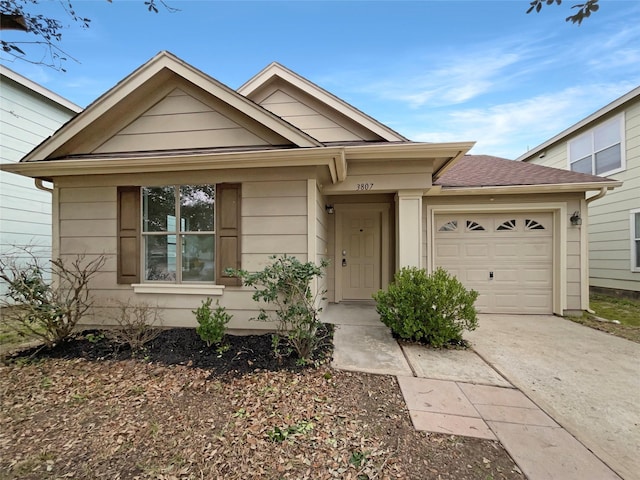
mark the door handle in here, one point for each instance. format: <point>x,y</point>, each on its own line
<point>344,262</point>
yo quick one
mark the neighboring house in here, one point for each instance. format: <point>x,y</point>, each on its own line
<point>606,143</point>
<point>29,114</point>
<point>175,177</point>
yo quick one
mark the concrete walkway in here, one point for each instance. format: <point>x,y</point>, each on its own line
<point>458,392</point>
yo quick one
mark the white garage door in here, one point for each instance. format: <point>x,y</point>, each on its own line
<point>507,258</point>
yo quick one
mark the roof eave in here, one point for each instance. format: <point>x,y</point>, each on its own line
<point>523,189</point>
<point>141,75</point>
<point>48,170</point>
<point>275,69</point>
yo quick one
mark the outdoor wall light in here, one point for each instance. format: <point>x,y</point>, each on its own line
<point>329,209</point>
<point>575,218</point>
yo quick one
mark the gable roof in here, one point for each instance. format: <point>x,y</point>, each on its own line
<point>140,88</point>
<point>485,171</point>
<point>274,72</point>
<point>39,89</point>
<point>616,105</point>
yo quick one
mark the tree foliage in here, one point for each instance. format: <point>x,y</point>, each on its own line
<point>584,10</point>
<point>45,32</point>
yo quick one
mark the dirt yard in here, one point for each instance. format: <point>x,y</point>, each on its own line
<point>87,410</point>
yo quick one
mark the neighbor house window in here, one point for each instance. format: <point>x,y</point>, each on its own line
<point>634,221</point>
<point>178,233</point>
<point>599,151</point>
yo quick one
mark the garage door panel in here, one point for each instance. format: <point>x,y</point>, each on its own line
<point>520,257</point>
<point>506,300</point>
<point>449,250</point>
<point>536,276</point>
<point>475,250</point>
<point>539,250</point>
<point>475,275</point>
<point>506,250</point>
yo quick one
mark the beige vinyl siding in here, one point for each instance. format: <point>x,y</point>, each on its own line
<point>311,116</point>
<point>182,121</point>
<point>322,241</point>
<point>573,283</point>
<point>274,221</point>
<point>608,221</point>
<point>609,233</point>
<point>26,118</point>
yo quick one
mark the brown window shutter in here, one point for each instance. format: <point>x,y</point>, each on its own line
<point>128,235</point>
<point>228,197</point>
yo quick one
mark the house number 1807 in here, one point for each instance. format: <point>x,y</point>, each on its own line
<point>364,186</point>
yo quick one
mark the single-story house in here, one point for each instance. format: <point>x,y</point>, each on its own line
<point>175,177</point>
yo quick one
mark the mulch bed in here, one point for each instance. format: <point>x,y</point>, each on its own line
<point>183,346</point>
<point>179,410</point>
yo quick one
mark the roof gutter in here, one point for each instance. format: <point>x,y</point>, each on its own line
<point>603,192</point>
<point>40,185</point>
<point>519,189</point>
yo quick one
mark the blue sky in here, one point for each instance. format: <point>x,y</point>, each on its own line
<point>435,71</point>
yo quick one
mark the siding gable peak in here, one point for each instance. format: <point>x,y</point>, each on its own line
<point>350,124</point>
<point>149,85</point>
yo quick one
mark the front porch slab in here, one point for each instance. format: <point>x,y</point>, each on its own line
<point>368,349</point>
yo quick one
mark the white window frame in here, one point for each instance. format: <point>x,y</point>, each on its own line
<point>623,161</point>
<point>634,237</point>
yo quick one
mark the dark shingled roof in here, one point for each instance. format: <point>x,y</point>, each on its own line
<point>488,171</point>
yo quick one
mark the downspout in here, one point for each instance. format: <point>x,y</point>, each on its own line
<point>40,185</point>
<point>603,192</point>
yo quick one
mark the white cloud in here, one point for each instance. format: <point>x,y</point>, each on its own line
<point>452,81</point>
<point>509,129</point>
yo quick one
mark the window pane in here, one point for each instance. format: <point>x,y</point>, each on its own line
<point>196,207</point>
<point>583,165</point>
<point>608,159</point>
<point>637,231</point>
<point>158,207</point>
<point>580,147</point>
<point>198,258</point>
<point>606,135</point>
<point>637,253</point>
<point>160,257</point>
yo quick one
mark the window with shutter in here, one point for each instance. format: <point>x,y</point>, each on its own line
<point>128,262</point>
<point>178,233</point>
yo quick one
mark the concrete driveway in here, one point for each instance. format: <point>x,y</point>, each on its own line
<point>588,381</point>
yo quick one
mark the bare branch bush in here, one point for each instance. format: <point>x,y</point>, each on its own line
<point>136,325</point>
<point>46,309</point>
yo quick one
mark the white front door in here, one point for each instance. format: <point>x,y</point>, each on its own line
<point>360,254</point>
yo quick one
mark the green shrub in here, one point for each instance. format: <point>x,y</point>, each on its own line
<point>432,309</point>
<point>212,323</point>
<point>286,284</point>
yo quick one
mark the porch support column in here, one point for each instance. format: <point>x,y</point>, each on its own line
<point>409,228</point>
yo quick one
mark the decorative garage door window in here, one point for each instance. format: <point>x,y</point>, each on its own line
<point>450,226</point>
<point>510,225</point>
<point>474,226</point>
<point>507,226</point>
<point>532,225</point>
<point>178,232</point>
